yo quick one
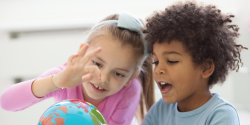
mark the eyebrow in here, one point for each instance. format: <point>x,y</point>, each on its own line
<point>122,69</point>
<point>99,58</point>
<point>172,52</point>
<point>167,53</point>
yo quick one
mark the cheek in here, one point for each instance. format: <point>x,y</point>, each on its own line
<point>155,76</point>
<point>154,72</point>
<point>185,78</point>
<point>190,73</point>
<point>116,85</point>
<point>180,77</point>
<point>118,82</point>
<point>182,71</point>
<point>176,73</point>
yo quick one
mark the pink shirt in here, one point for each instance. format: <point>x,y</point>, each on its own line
<point>117,109</point>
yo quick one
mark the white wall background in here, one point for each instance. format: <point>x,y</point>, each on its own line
<point>36,35</point>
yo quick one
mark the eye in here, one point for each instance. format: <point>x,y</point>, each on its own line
<point>172,62</point>
<point>95,63</point>
<point>155,62</point>
<point>118,74</point>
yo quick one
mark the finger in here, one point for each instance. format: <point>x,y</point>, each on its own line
<point>87,77</point>
<point>93,70</point>
<point>83,49</point>
<point>91,54</point>
<point>71,58</point>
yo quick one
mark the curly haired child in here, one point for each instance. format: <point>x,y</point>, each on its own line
<point>194,47</point>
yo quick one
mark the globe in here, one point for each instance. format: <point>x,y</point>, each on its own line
<point>72,112</point>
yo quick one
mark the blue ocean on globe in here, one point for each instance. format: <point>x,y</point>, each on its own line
<point>72,112</point>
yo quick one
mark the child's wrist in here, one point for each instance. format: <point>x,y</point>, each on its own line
<point>54,81</point>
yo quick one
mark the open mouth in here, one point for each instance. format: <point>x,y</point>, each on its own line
<point>164,87</point>
<point>97,88</point>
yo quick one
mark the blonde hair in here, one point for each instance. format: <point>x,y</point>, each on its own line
<point>127,37</point>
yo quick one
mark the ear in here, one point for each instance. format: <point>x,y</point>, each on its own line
<point>132,77</point>
<point>208,68</point>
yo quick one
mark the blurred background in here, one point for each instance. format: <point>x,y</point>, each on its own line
<point>36,35</point>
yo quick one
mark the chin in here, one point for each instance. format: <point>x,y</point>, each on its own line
<point>98,96</point>
<point>168,100</point>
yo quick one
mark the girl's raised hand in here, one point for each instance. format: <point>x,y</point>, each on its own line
<point>76,71</point>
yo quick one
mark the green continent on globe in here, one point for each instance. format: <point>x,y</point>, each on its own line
<point>97,116</point>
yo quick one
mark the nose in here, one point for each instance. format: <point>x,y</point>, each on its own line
<point>160,70</point>
<point>104,78</point>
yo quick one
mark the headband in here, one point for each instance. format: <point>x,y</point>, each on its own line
<point>127,21</point>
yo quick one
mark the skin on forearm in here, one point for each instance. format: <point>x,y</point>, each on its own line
<point>43,86</point>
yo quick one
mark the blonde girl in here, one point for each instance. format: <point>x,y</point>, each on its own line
<point>111,70</point>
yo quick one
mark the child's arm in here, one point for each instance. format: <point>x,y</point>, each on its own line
<point>23,95</point>
<point>19,96</point>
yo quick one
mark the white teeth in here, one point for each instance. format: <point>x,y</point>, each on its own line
<point>98,87</point>
<point>163,83</point>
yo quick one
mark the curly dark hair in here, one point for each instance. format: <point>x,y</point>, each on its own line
<point>203,30</point>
